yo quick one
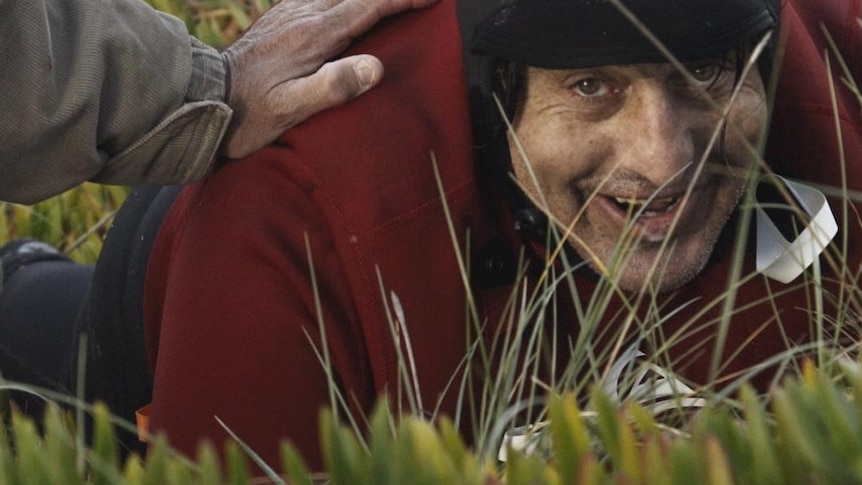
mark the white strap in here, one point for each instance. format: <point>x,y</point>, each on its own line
<point>784,260</point>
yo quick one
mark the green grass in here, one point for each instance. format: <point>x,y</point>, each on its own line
<point>75,221</point>
<point>810,433</point>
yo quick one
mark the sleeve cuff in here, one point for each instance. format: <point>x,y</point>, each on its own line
<point>209,74</point>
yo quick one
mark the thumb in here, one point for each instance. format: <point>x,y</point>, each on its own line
<point>334,84</point>
<point>294,101</point>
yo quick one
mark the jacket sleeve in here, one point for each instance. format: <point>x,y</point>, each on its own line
<point>109,91</point>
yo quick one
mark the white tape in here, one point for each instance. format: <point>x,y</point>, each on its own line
<point>784,260</point>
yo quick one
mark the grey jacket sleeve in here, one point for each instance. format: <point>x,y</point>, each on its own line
<point>103,90</point>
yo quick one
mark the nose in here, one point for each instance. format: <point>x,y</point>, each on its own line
<point>662,134</point>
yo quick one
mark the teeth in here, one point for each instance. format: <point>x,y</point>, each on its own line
<point>623,200</point>
<point>656,206</point>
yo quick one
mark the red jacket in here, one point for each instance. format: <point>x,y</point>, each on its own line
<point>230,304</point>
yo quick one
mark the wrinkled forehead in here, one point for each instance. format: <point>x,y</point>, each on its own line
<point>570,34</point>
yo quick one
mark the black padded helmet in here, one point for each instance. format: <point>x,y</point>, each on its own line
<point>573,34</point>
<point>561,34</point>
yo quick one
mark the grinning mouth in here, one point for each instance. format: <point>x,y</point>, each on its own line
<point>647,207</point>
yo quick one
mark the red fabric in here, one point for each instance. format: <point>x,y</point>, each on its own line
<point>229,303</point>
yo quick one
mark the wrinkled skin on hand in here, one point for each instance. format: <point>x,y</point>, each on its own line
<point>278,70</point>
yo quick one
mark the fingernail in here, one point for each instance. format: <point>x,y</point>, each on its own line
<point>365,73</point>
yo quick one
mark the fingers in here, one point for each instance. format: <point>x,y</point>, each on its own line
<point>292,102</point>
<point>388,7</point>
<point>278,76</point>
<point>332,85</point>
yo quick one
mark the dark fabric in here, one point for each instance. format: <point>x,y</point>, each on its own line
<point>567,34</point>
<point>38,307</point>
<point>117,371</point>
<point>47,304</point>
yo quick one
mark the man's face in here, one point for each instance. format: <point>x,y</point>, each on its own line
<point>603,141</point>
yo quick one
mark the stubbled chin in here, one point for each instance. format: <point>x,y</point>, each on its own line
<point>633,269</point>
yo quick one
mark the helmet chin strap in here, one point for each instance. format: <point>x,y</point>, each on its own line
<point>782,259</point>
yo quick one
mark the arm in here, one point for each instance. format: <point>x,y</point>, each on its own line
<point>115,92</point>
<point>97,90</point>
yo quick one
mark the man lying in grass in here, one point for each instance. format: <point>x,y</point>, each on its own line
<point>459,266</point>
<point>640,162</point>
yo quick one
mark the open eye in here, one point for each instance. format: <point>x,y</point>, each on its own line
<point>709,73</point>
<point>706,73</point>
<point>591,87</point>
